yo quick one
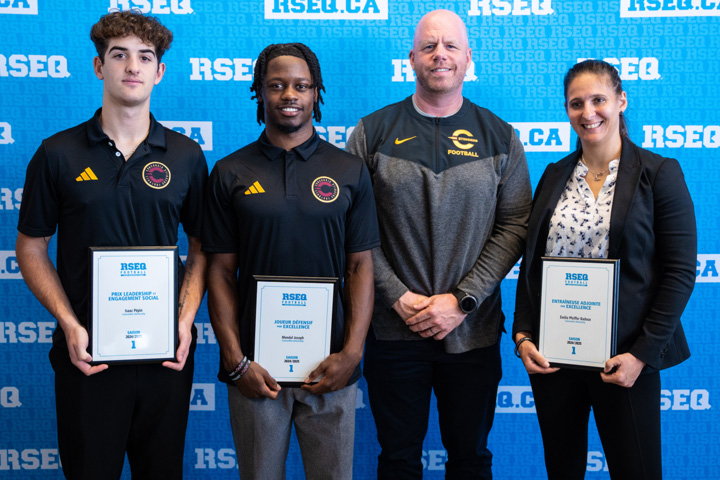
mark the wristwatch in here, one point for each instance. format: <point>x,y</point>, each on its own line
<point>466,302</point>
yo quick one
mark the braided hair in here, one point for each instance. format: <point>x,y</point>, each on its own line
<point>294,50</point>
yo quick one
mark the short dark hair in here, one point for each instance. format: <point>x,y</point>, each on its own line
<point>298,50</point>
<point>598,68</point>
<point>127,23</point>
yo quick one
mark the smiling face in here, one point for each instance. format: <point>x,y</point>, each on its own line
<point>440,54</point>
<point>594,109</point>
<point>288,96</point>
<point>129,72</point>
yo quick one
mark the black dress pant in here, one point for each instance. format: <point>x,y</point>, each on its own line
<point>138,409</point>
<point>627,419</point>
<point>401,377</point>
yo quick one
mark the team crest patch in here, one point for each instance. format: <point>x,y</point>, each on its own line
<point>156,175</point>
<point>325,189</point>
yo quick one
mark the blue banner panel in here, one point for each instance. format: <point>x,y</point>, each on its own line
<point>668,56</point>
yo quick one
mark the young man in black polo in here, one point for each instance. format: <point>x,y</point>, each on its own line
<point>119,179</point>
<point>290,204</point>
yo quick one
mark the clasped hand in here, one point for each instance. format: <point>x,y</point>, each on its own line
<point>434,316</point>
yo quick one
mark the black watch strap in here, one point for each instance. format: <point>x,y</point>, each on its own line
<point>466,302</point>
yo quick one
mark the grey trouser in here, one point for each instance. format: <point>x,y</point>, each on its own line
<point>324,425</point>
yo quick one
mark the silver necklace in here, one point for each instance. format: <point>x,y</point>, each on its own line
<point>596,175</point>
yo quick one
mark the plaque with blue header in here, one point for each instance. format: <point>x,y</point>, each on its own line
<point>578,311</point>
<point>133,304</point>
<point>293,325</point>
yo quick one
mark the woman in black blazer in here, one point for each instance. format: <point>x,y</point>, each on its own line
<point>609,199</point>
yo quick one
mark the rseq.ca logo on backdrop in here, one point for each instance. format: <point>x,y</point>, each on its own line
<point>679,8</point>
<point>202,396</point>
<point>327,9</point>
<point>515,399</point>
<point>9,269</point>
<point>6,133</point>
<point>543,136</point>
<point>21,7</point>
<point>707,268</point>
<point>201,132</point>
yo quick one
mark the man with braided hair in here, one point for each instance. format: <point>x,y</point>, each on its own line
<point>94,183</point>
<point>266,215</point>
<point>292,49</point>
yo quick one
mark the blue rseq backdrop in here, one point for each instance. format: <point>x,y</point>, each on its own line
<point>667,53</point>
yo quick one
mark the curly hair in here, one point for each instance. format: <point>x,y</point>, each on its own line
<point>298,50</point>
<point>127,23</point>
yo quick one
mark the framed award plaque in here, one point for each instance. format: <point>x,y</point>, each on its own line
<point>133,312</point>
<point>293,325</point>
<point>578,311</point>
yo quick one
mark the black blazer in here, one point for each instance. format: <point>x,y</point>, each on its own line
<point>652,232</point>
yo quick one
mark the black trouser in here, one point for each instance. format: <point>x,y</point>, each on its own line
<point>401,376</point>
<point>627,419</point>
<point>138,409</point>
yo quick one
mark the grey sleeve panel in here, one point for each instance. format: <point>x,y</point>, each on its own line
<point>357,144</point>
<point>388,287</point>
<point>507,239</point>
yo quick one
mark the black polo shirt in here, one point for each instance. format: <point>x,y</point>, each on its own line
<point>289,213</point>
<point>80,183</point>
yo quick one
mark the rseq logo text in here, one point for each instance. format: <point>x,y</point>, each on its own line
<point>156,7</point>
<point>34,66</point>
<point>10,397</point>
<point>6,133</point>
<point>294,299</point>
<point>576,279</point>
<point>634,68</point>
<point>510,7</point>
<point>222,69</point>
<point>403,71</point>
<point>29,459</point>
<point>133,269</point>
<point>681,136</point>
<point>685,399</point>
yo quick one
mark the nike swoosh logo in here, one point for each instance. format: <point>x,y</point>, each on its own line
<point>398,141</point>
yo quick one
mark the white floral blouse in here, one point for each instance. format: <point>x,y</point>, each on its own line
<point>580,225</point>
